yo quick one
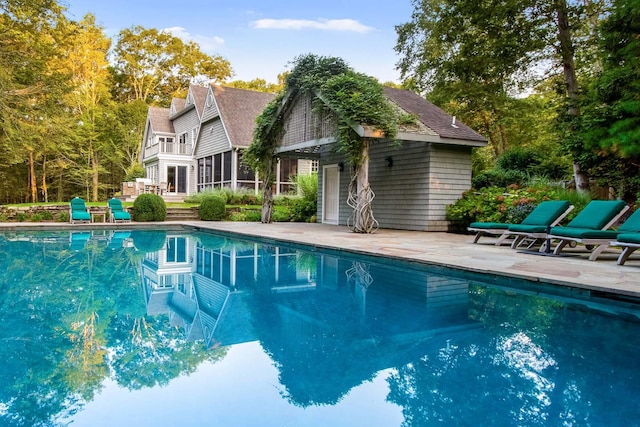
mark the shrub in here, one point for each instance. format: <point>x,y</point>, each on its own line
<point>212,208</point>
<point>499,178</point>
<point>302,210</point>
<point>149,207</point>
<point>307,186</point>
<point>520,159</point>
<point>63,217</point>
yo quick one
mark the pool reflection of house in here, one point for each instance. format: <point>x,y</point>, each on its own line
<point>202,282</point>
<point>192,280</point>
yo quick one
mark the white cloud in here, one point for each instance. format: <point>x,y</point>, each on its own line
<point>319,24</point>
<point>208,44</point>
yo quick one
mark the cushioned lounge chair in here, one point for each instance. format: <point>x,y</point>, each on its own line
<point>546,214</point>
<point>117,213</point>
<point>629,242</point>
<point>78,211</point>
<point>591,227</point>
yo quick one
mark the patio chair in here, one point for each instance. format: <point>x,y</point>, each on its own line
<point>116,212</point>
<point>629,242</point>
<point>78,211</point>
<point>546,214</point>
<point>591,227</point>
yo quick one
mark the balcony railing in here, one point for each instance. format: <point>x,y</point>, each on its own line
<point>175,148</point>
<point>168,148</point>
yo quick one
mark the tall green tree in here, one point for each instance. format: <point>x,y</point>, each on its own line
<point>155,66</point>
<point>610,120</point>
<point>475,54</point>
<point>481,55</point>
<point>32,35</point>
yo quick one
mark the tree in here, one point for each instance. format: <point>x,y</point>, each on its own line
<point>477,55</point>
<point>32,36</point>
<point>483,66</point>
<point>89,99</point>
<point>259,85</point>
<point>610,121</point>
<point>155,66</point>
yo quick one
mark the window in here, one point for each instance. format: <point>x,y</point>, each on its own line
<point>183,138</point>
<point>217,168</point>
<point>245,173</point>
<point>209,101</point>
<point>227,166</point>
<point>288,168</point>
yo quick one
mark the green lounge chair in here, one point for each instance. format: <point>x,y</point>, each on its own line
<point>546,214</point>
<point>116,212</point>
<point>629,242</point>
<point>591,227</point>
<point>78,211</point>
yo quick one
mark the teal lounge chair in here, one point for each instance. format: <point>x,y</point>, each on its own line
<point>116,212</point>
<point>629,242</point>
<point>78,211</point>
<point>592,227</point>
<point>546,214</point>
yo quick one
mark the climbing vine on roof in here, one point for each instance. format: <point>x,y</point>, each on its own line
<point>356,98</point>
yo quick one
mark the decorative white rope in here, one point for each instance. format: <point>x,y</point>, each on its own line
<point>361,219</point>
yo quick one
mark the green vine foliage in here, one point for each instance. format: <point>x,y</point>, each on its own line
<point>355,97</point>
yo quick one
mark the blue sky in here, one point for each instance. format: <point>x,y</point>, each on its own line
<point>259,38</point>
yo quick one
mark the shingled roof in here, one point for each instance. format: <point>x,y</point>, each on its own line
<point>199,97</point>
<point>238,110</point>
<point>159,119</point>
<point>431,116</point>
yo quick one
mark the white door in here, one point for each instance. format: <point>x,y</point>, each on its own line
<point>330,194</point>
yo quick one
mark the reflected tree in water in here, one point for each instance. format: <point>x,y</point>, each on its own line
<point>70,317</point>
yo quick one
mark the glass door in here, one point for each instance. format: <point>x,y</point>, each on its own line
<point>177,179</point>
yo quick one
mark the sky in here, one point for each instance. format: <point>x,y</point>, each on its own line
<point>261,38</point>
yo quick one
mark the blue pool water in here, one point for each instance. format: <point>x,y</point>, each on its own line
<point>151,328</point>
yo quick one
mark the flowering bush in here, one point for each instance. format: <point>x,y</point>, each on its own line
<point>511,204</point>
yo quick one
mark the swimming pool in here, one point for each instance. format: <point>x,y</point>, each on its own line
<point>160,328</point>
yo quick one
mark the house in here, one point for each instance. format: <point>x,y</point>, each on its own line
<point>414,178</point>
<point>197,143</point>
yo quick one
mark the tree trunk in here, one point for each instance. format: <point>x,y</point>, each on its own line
<point>33,188</point>
<point>567,53</point>
<point>361,196</point>
<point>267,191</point>
<point>95,178</point>
<point>45,190</point>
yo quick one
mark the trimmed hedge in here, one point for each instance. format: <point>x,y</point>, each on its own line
<point>212,208</point>
<point>149,207</point>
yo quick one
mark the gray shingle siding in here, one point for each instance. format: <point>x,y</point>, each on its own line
<point>212,140</point>
<point>413,193</point>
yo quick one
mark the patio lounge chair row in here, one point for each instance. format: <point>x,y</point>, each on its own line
<point>591,228</point>
<point>78,211</point>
